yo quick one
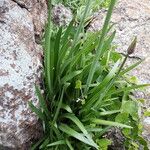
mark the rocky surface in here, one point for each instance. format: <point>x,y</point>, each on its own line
<point>132,18</point>
<point>21,26</point>
<point>61,15</point>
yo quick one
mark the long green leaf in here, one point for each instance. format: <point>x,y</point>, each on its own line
<point>37,111</point>
<point>100,46</point>
<point>69,144</point>
<point>35,146</point>
<point>108,42</point>
<point>77,122</point>
<point>109,76</point>
<point>105,113</point>
<point>62,55</point>
<point>101,88</point>
<point>87,47</point>
<point>67,33</point>
<point>57,47</point>
<point>42,102</point>
<point>71,132</point>
<point>110,84</point>
<point>126,89</point>
<point>68,60</point>
<point>66,107</point>
<point>44,144</point>
<point>58,107</point>
<point>61,142</point>
<point>110,123</point>
<point>47,48</point>
<point>81,25</point>
<point>70,76</point>
<point>130,67</point>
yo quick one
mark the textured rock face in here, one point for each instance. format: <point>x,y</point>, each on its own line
<point>132,18</point>
<point>21,24</point>
<point>61,15</point>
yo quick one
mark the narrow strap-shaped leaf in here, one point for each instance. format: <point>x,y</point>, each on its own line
<point>109,76</point>
<point>35,146</point>
<point>100,46</point>
<point>42,101</point>
<point>105,113</point>
<point>71,132</point>
<point>130,67</point>
<point>69,144</point>
<point>126,89</point>
<point>44,144</point>
<point>62,54</point>
<point>70,76</point>
<point>108,42</point>
<point>92,129</point>
<point>47,47</point>
<point>101,88</point>
<point>66,107</point>
<point>77,122</point>
<point>57,47</point>
<point>79,125</point>
<point>68,60</point>
<point>56,130</point>
<point>74,50</point>
<point>61,142</point>
<point>110,123</point>
<point>59,106</point>
<point>110,84</point>
<point>37,111</point>
<point>85,50</point>
<point>81,25</point>
<point>67,32</point>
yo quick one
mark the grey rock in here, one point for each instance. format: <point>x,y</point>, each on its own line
<point>132,18</point>
<point>61,15</point>
<point>115,135</point>
<point>20,69</point>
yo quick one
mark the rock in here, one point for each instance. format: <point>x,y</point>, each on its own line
<point>132,18</point>
<point>61,15</point>
<point>21,21</point>
<point>146,132</point>
<point>115,135</point>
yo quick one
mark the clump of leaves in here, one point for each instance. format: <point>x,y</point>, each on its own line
<point>85,89</point>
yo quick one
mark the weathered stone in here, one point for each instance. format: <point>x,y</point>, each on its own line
<point>132,18</point>
<point>61,15</point>
<point>115,135</point>
<point>20,69</point>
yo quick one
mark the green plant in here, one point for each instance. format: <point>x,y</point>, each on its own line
<point>86,92</point>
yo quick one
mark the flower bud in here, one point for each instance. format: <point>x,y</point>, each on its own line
<point>132,46</point>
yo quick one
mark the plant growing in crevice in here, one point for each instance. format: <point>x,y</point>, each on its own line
<point>85,89</point>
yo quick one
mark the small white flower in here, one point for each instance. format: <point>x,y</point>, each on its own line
<point>78,100</point>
